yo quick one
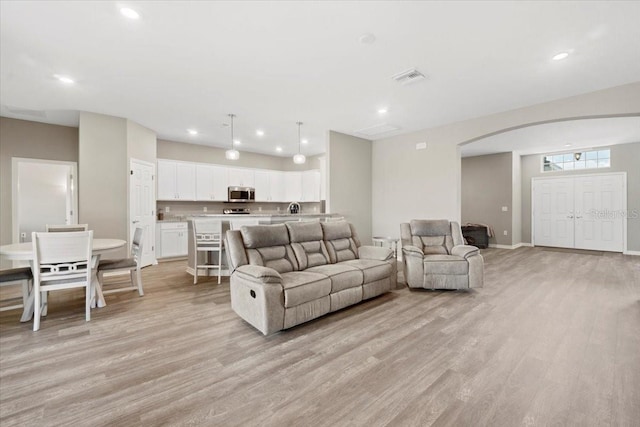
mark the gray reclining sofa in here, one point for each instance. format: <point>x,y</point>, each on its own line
<point>287,274</point>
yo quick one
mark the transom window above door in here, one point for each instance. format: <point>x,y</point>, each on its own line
<point>579,160</point>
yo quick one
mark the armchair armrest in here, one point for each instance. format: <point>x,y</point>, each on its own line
<point>375,252</point>
<point>465,251</point>
<point>257,273</point>
<point>411,250</point>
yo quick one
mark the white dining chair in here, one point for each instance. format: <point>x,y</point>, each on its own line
<point>207,240</point>
<point>17,276</point>
<point>66,228</point>
<point>61,261</point>
<point>334,219</point>
<point>235,224</point>
<point>132,264</point>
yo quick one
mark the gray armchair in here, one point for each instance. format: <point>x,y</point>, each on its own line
<point>435,256</point>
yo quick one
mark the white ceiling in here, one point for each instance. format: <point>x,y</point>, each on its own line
<point>559,136</point>
<point>187,64</point>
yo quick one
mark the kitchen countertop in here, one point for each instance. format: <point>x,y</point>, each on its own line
<point>252,215</point>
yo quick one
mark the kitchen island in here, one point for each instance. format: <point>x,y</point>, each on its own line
<point>185,233</point>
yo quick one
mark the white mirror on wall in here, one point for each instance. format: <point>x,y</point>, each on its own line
<point>44,192</point>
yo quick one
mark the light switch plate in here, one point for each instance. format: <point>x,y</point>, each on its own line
<point>167,209</point>
<point>505,209</point>
<point>421,146</point>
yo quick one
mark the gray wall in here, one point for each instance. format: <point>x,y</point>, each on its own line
<point>487,183</point>
<point>103,175</point>
<point>624,158</point>
<point>21,138</point>
<point>426,184</point>
<point>349,174</point>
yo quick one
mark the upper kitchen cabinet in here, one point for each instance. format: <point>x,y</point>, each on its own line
<point>211,183</point>
<point>241,177</point>
<point>310,186</point>
<point>270,186</point>
<point>176,180</point>
<point>293,186</point>
<point>263,186</point>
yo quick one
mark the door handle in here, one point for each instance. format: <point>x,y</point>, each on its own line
<point>570,216</point>
<point>135,222</point>
<point>578,217</point>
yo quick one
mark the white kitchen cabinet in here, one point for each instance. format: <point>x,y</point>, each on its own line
<point>211,183</point>
<point>174,239</point>
<point>277,187</point>
<point>239,177</point>
<point>263,186</point>
<point>310,186</point>
<point>176,180</point>
<point>293,186</point>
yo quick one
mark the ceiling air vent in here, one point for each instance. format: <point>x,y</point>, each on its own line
<point>408,76</point>
<point>377,130</point>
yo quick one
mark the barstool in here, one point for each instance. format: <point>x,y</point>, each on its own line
<point>207,238</point>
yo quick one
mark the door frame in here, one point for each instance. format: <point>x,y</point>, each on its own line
<point>624,201</point>
<point>15,161</point>
<point>154,203</point>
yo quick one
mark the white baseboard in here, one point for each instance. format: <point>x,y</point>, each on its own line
<point>636,253</point>
<point>516,246</point>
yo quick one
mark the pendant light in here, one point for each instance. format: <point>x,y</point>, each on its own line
<point>299,158</point>
<point>232,154</point>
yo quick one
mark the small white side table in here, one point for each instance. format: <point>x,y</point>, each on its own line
<point>390,242</point>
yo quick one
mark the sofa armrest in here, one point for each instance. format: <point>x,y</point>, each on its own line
<point>259,274</point>
<point>465,251</point>
<point>375,252</point>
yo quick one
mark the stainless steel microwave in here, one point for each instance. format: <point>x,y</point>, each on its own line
<point>242,194</point>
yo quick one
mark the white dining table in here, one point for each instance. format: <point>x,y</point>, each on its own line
<point>24,252</point>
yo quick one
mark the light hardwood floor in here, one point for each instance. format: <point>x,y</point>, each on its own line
<point>552,339</point>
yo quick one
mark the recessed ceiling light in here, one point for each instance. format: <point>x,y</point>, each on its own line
<point>382,111</point>
<point>260,132</point>
<point>237,142</point>
<point>192,131</point>
<point>64,79</point>
<point>129,13</point>
<point>305,141</point>
<point>567,145</point>
<point>279,149</point>
<point>367,38</point>
<point>560,56</point>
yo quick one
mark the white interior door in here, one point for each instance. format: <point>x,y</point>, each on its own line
<point>554,212</point>
<point>142,207</point>
<point>44,192</point>
<point>599,208</point>
<point>582,212</point>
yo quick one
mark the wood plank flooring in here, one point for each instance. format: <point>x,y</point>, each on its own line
<point>552,339</point>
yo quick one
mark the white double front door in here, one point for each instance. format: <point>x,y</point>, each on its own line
<point>582,212</point>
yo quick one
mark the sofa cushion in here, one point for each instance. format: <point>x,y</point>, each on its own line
<point>372,270</point>
<point>301,287</point>
<point>260,236</point>
<point>280,258</point>
<point>445,264</point>
<point>307,244</point>
<point>339,241</point>
<point>342,276</point>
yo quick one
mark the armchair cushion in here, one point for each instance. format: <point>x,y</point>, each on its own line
<point>436,227</point>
